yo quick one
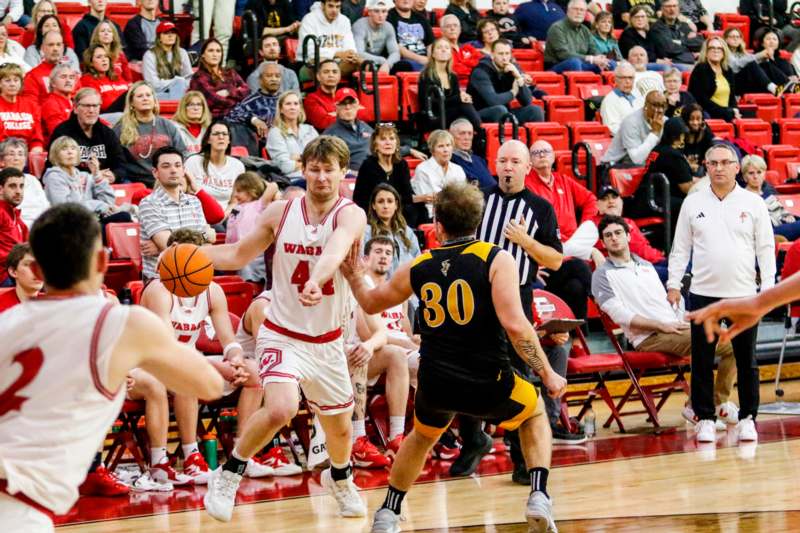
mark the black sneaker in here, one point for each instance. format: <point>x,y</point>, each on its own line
<point>561,436</point>
<point>520,475</point>
<point>467,461</point>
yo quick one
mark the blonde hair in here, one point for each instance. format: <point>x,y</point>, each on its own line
<point>753,161</point>
<point>739,49</point>
<point>11,69</point>
<point>182,118</point>
<point>278,121</point>
<point>129,124</point>
<point>115,49</point>
<point>430,68</point>
<point>437,137</point>
<point>37,6</point>
<point>251,183</point>
<point>54,156</point>
<point>726,52</point>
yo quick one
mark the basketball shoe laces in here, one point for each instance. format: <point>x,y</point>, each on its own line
<point>227,485</point>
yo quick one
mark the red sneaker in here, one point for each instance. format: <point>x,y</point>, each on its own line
<point>164,473</point>
<point>446,451</point>
<point>280,464</point>
<point>101,482</point>
<point>195,467</point>
<point>394,445</point>
<point>366,455</point>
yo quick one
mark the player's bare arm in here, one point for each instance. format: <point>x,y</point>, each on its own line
<point>744,313</point>
<point>351,223</point>
<point>237,255</point>
<point>150,344</point>
<point>368,327</point>
<point>393,292</point>
<point>508,306</point>
<point>232,350</point>
<point>158,299</point>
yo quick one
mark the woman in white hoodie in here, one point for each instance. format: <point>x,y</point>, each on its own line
<point>334,35</point>
<point>11,51</point>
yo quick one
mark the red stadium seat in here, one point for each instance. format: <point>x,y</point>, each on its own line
<point>291,46</point>
<point>790,202</point>
<point>529,59</point>
<point>212,346</point>
<point>728,20</point>
<point>550,82</point>
<point>791,105</point>
<point>770,107</point>
<point>593,91</point>
<point>36,163</point>
<point>493,140</point>
<point>553,132</point>
<point>778,155</point>
<point>123,192</point>
<point>239,294</point>
<point>125,263</point>
<point>591,133</point>
<point>429,230</point>
<point>720,128</point>
<point>576,80</point>
<point>136,288</point>
<point>753,130</point>
<point>608,78</point>
<point>389,92</point>
<point>409,89</point>
<point>413,163</point>
<point>626,180</point>
<point>564,109</point>
<point>789,131</point>
<point>239,151</point>
<point>167,108</point>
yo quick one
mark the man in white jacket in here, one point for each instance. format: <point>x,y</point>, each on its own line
<point>334,35</point>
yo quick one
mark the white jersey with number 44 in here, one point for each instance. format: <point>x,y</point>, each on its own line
<point>298,246</point>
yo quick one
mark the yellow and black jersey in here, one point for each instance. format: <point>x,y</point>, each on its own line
<point>461,335</point>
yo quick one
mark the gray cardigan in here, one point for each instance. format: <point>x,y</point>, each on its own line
<point>60,188</point>
<point>150,70</point>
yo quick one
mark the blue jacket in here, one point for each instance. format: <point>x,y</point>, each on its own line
<point>535,17</point>
<point>475,168</point>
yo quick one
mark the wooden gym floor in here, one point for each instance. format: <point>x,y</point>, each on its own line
<point>621,483</point>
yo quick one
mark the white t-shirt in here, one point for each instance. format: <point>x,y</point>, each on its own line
<point>218,181</point>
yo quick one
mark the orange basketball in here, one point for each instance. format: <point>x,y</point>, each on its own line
<point>185,270</point>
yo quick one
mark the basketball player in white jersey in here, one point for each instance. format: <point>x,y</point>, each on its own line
<point>63,363</point>
<point>187,317</point>
<point>300,342</point>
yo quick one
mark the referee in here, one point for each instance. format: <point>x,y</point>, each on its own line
<point>726,231</point>
<point>525,226</point>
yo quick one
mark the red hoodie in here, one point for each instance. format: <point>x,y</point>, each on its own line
<point>56,109</point>
<point>109,89</point>
<point>321,111</point>
<point>37,82</point>
<point>22,119</point>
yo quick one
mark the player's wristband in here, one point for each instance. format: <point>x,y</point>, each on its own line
<point>230,347</point>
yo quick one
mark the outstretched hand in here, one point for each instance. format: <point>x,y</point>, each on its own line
<point>353,265</point>
<point>742,314</point>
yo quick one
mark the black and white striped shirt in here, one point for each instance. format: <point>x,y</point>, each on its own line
<point>540,223</point>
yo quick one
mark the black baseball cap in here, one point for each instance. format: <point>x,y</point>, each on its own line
<point>608,189</point>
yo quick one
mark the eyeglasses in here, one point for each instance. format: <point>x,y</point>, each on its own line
<point>540,153</point>
<point>720,164</point>
<point>385,125</point>
<point>90,106</point>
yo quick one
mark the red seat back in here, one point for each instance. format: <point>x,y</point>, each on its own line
<point>553,132</point>
<point>626,180</point>
<point>212,345</point>
<point>389,91</point>
<point>564,109</point>
<point>167,108</point>
<point>239,295</point>
<point>123,192</point>
<point>735,20</point>
<point>720,128</point>
<point>789,131</point>
<point>123,240</point>
<point>36,163</point>
<point>592,91</point>
<point>754,130</point>
<point>429,230</point>
<point>409,87</point>
<point>576,80</point>
<point>529,59</point>
<point>547,306</point>
<point>778,155</point>
<point>790,202</point>
<point>770,107</point>
<point>136,288</point>
<point>493,140</point>
<point>549,82</point>
<point>791,105</point>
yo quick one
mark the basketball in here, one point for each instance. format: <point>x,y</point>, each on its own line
<point>185,270</point>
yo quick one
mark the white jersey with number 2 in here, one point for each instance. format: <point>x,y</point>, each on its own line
<point>298,246</point>
<point>54,408</point>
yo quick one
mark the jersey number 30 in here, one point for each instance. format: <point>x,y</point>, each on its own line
<point>31,361</point>
<point>302,273</point>
<point>460,303</point>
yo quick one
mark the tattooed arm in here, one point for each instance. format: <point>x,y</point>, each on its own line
<point>505,297</point>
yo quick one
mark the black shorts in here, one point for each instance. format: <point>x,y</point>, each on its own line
<point>507,402</point>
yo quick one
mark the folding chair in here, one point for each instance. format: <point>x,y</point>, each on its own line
<point>770,107</point>
<point>754,130</point>
<point>553,132</point>
<point>720,128</point>
<point>123,192</point>
<point>639,363</point>
<point>126,256</point>
<point>777,155</point>
<point>127,437</point>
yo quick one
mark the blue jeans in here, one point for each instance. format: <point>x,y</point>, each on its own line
<point>529,113</point>
<point>577,64</point>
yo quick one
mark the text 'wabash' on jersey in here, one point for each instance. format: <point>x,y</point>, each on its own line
<point>461,334</point>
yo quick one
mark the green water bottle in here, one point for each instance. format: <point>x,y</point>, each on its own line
<point>210,451</point>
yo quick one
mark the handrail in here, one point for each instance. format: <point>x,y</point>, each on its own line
<point>374,91</point>
<point>435,92</point>
<point>250,30</point>
<point>590,170</point>
<point>170,10</point>
<point>665,211</point>
<point>304,49</point>
<point>501,127</point>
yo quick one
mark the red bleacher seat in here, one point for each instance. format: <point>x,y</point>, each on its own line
<point>549,82</point>
<point>728,20</point>
<point>493,140</point>
<point>409,89</point>
<point>529,59</point>
<point>36,163</point>
<point>777,155</point>
<point>791,105</point>
<point>769,107</point>
<point>212,346</point>
<point>413,163</point>
<point>136,287</point>
<point>239,294</point>
<point>123,192</point>
<point>754,130</point>
<point>790,202</point>
<point>290,48</point>
<point>720,128</point>
<point>564,109</point>
<point>575,80</point>
<point>429,230</point>
<point>125,263</point>
<point>596,135</point>
<point>789,131</point>
<point>553,132</point>
<point>389,91</point>
<point>167,108</point>
<point>626,180</point>
<point>239,151</point>
<point>592,91</point>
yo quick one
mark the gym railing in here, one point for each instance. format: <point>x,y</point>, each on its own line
<point>501,128</point>
<point>591,171</point>
<point>304,55</point>
<point>374,91</point>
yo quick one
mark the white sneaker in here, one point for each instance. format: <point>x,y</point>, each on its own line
<point>728,412</point>
<point>346,494</point>
<point>539,514</point>
<point>706,431</point>
<point>146,483</point>
<point>385,521</point>
<point>221,495</point>
<point>256,469</point>
<point>689,416</point>
<point>746,430</point>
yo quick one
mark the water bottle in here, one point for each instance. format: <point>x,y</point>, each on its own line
<point>589,428</point>
<point>210,450</point>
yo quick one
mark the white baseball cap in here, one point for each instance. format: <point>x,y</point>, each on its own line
<point>377,4</point>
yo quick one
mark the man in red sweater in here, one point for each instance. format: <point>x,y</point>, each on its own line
<point>18,267</point>
<point>609,202</point>
<point>58,105</point>
<point>37,81</point>
<point>12,229</point>
<point>319,105</point>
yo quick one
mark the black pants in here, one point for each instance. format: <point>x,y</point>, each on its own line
<point>573,284</point>
<point>751,79</point>
<point>744,347</point>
